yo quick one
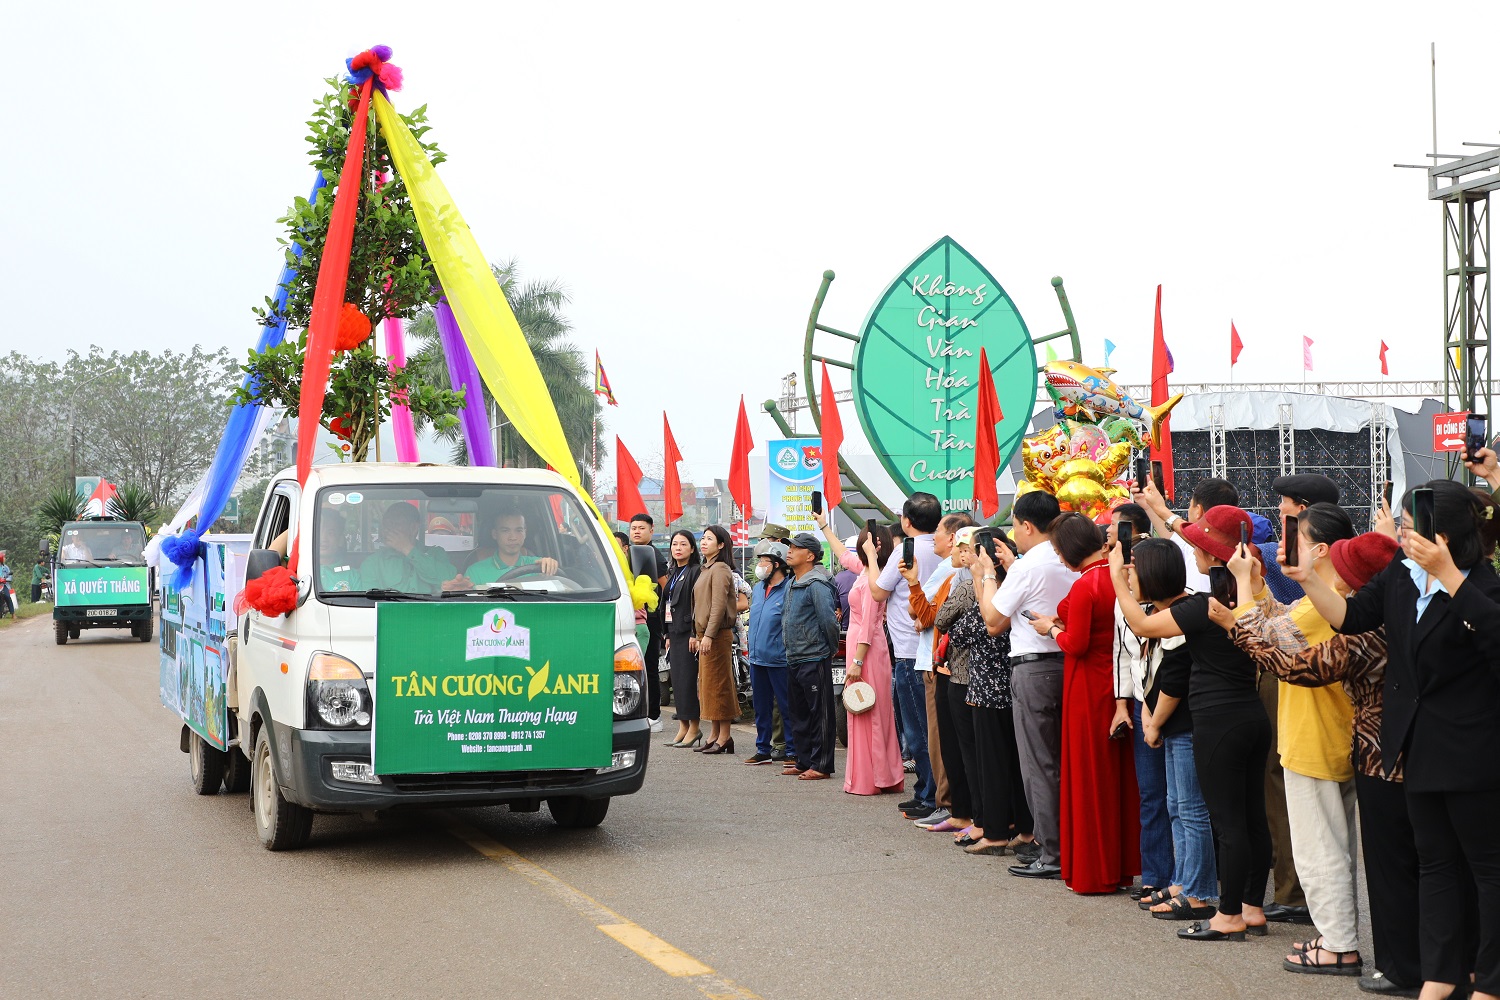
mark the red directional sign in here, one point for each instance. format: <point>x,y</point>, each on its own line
<point>1448,431</point>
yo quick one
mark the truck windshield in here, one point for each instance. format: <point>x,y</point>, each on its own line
<point>435,540</point>
<point>102,543</point>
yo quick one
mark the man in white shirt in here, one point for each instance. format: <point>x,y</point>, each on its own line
<point>920,516</point>
<point>1035,582</point>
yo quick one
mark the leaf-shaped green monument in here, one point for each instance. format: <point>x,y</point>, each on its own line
<point>916,371</point>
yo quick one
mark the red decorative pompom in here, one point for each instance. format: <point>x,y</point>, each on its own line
<point>353,328</point>
<point>362,60</point>
<point>273,593</point>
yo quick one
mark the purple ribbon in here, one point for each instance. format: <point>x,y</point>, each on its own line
<point>462,374</point>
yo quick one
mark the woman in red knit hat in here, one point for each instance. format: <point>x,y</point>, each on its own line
<point>1231,733</point>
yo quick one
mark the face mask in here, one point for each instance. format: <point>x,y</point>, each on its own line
<point>762,571</point>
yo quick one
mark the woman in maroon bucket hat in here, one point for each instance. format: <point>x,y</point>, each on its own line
<point>1231,733</point>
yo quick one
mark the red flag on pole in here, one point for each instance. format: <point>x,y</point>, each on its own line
<point>1235,345</point>
<point>1161,367</point>
<point>833,440</point>
<point>986,446</point>
<point>1385,369</point>
<point>671,485</point>
<point>739,463</point>
<point>628,476</point>
<point>601,382</point>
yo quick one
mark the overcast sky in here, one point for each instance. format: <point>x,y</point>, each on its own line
<point>689,173</point>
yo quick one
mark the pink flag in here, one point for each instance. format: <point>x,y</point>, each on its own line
<point>1307,354</point>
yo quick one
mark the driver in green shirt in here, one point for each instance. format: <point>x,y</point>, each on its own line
<point>401,564</point>
<point>509,534</point>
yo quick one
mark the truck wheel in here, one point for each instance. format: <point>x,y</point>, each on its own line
<point>842,726</point>
<point>578,814</point>
<point>143,632</point>
<point>61,631</point>
<point>205,765</point>
<point>236,772</point>
<point>281,825</point>
<point>74,633</point>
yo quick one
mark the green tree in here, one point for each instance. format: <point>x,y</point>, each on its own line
<point>566,370</point>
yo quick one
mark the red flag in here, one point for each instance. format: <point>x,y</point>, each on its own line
<point>1385,369</point>
<point>1161,367</point>
<point>671,487</point>
<point>628,478</point>
<point>98,503</point>
<point>986,446</point>
<point>601,382</point>
<point>1235,345</point>
<point>833,440</point>
<point>739,463</point>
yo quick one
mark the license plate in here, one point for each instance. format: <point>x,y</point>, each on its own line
<point>101,612</point>
<point>838,675</point>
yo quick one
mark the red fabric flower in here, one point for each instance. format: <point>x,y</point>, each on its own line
<point>341,427</point>
<point>273,593</point>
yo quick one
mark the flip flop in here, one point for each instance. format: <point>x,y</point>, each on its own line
<point>811,775</point>
<point>946,826</point>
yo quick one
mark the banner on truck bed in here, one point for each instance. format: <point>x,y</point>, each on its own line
<point>103,585</point>
<point>492,687</point>
<point>193,628</point>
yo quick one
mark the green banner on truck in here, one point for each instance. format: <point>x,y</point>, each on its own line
<point>104,585</point>
<point>493,687</point>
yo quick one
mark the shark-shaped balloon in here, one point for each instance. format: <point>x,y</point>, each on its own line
<point>1090,394</point>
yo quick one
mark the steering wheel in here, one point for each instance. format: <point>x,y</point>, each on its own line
<point>535,569</point>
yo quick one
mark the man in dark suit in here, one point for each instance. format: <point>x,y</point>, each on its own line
<point>641,528</point>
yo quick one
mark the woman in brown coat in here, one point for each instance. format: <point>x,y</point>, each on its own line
<point>714,606</point>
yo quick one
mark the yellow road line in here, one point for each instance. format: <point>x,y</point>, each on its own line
<point>673,961</point>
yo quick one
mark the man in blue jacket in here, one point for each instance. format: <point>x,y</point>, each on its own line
<point>810,631</point>
<point>768,680</point>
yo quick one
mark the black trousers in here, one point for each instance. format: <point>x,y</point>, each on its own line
<point>1230,747</point>
<point>960,801</point>
<point>1459,852</point>
<point>810,702</point>
<point>962,717</point>
<point>1390,850</point>
<point>1000,808</point>
<point>653,671</point>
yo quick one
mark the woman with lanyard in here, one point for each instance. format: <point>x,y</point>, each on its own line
<point>682,645</point>
<point>1440,606</point>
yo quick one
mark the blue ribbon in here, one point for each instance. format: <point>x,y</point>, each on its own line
<point>184,550</point>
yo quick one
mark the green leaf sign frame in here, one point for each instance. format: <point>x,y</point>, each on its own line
<point>916,372</point>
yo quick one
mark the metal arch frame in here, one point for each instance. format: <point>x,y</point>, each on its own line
<point>1378,460</point>
<point>1286,435</point>
<point>857,511</point>
<point>1218,456</point>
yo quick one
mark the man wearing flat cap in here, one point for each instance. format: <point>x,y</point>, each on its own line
<point>810,630</point>
<point>1297,493</point>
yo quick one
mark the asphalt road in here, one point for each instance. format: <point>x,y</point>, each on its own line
<point>117,881</point>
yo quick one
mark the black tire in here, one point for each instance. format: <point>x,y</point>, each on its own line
<point>74,633</point>
<point>61,632</point>
<point>578,814</point>
<point>205,766</point>
<point>236,772</point>
<point>144,630</point>
<point>281,825</point>
<point>842,724</point>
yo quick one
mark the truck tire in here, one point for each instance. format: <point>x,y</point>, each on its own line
<point>578,814</point>
<point>143,632</point>
<point>236,772</point>
<point>841,726</point>
<point>281,825</point>
<point>74,633</point>
<point>205,766</point>
<point>61,631</point>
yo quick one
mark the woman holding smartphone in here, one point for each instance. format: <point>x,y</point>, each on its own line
<point>1100,830</point>
<point>1440,606</point>
<point>1231,732</point>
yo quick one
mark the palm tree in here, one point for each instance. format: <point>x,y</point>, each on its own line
<point>134,503</point>
<point>57,508</point>
<point>538,306</point>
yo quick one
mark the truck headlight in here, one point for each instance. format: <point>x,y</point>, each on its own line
<point>336,693</point>
<point>630,680</point>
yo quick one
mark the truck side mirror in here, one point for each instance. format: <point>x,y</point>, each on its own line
<point>642,561</point>
<point>259,561</point>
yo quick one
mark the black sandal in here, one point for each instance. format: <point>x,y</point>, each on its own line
<point>1203,932</point>
<point>1305,964</point>
<point>1312,944</point>
<point>1140,892</point>
<point>1159,896</point>
<point>1181,909</point>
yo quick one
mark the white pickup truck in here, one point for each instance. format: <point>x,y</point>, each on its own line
<point>463,636</point>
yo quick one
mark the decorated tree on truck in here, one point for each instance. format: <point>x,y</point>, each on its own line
<point>390,278</point>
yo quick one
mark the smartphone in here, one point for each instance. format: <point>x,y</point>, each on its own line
<point>984,539</point>
<point>908,551</point>
<point>1476,436</point>
<point>1245,537</point>
<point>1423,513</point>
<point>870,526</point>
<point>1289,536</point>
<point>1028,615</point>
<point>817,501</point>
<point>1121,731</point>
<point>1142,470</point>
<point>1125,532</point>
<point>1156,477</point>
<point>1387,491</point>
<point>1222,586</point>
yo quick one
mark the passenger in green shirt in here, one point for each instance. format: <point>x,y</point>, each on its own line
<point>509,534</point>
<point>38,575</point>
<point>335,570</point>
<point>401,564</point>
